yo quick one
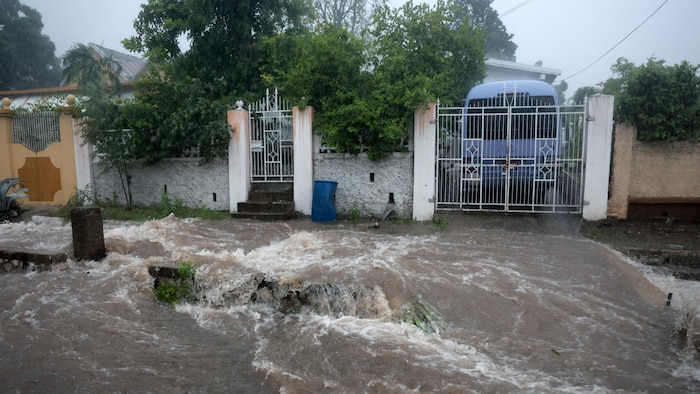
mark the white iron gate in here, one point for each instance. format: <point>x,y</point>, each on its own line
<point>271,141</point>
<point>524,158</point>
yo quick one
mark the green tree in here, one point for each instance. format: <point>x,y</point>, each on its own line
<point>365,92</point>
<point>27,58</point>
<point>581,93</point>
<point>103,120</point>
<point>187,92</point>
<point>662,101</point>
<point>561,89</point>
<point>83,66</point>
<point>224,37</point>
<point>480,14</point>
<point>104,125</point>
<point>350,15</point>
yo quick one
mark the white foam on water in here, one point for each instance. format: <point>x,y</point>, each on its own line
<point>540,334</point>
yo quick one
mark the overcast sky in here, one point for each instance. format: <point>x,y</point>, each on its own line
<point>567,35</point>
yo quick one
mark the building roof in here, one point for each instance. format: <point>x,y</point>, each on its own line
<point>132,66</point>
<point>502,70</point>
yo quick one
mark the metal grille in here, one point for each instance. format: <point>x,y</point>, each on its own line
<point>36,130</point>
<point>271,140</point>
<point>520,157</point>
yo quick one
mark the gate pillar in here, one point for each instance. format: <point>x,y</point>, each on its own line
<point>598,155</point>
<point>238,157</point>
<point>424,163</point>
<point>303,159</point>
<point>6,170</point>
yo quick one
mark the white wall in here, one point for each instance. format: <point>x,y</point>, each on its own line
<point>184,178</point>
<point>358,190</point>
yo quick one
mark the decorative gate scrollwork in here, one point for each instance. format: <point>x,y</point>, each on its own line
<point>271,140</point>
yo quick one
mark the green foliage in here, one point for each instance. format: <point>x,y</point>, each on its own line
<point>663,102</point>
<point>561,88</point>
<point>10,194</point>
<point>355,212</point>
<point>169,117</point>
<point>182,288</point>
<point>497,42</point>
<point>104,125</point>
<point>439,222</point>
<point>365,91</point>
<point>581,93</point>
<point>224,38</point>
<point>83,67</point>
<point>350,15</point>
<point>27,58</point>
<point>112,210</point>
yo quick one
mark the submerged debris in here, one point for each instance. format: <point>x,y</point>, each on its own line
<point>422,315</point>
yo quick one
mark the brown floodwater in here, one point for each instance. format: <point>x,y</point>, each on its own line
<point>512,311</point>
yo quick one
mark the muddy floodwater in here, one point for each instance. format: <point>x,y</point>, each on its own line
<point>513,310</point>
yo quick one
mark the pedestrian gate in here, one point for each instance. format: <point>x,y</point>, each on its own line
<point>271,141</point>
<point>514,158</point>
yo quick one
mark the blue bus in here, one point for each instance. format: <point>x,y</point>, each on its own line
<point>510,143</point>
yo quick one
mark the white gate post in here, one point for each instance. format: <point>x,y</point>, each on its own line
<point>424,163</point>
<point>303,159</point>
<point>598,156</point>
<point>238,157</point>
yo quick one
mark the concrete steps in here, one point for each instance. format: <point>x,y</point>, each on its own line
<point>268,201</point>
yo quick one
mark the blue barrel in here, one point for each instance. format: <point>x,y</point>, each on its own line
<point>323,207</point>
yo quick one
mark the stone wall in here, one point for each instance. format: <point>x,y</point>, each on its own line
<point>369,186</point>
<point>652,172</point>
<point>197,185</point>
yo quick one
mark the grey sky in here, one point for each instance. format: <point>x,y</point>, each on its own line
<point>564,34</point>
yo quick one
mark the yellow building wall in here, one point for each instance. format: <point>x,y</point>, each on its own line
<point>50,175</point>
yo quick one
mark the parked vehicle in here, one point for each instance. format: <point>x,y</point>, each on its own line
<point>10,193</point>
<point>511,141</point>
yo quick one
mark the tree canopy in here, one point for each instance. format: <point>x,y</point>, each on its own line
<point>83,66</point>
<point>662,101</point>
<point>364,87</point>
<point>480,14</point>
<point>27,57</point>
<point>365,91</point>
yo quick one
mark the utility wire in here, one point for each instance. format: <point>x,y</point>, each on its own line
<point>515,8</point>
<point>618,43</point>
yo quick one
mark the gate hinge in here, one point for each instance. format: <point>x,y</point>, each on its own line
<point>586,202</point>
<point>590,119</point>
<point>431,199</point>
<point>432,121</point>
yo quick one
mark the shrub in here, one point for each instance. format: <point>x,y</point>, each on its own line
<point>663,102</point>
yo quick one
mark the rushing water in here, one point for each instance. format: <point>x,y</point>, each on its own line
<point>517,311</point>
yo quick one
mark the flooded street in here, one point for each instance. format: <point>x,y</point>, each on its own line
<point>516,310</point>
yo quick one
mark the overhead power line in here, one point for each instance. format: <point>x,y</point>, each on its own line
<point>618,43</point>
<point>515,8</point>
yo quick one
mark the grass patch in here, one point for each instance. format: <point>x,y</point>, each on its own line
<point>111,210</point>
<point>181,289</point>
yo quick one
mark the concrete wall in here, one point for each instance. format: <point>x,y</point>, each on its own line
<point>652,172</point>
<point>367,185</point>
<point>197,185</point>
